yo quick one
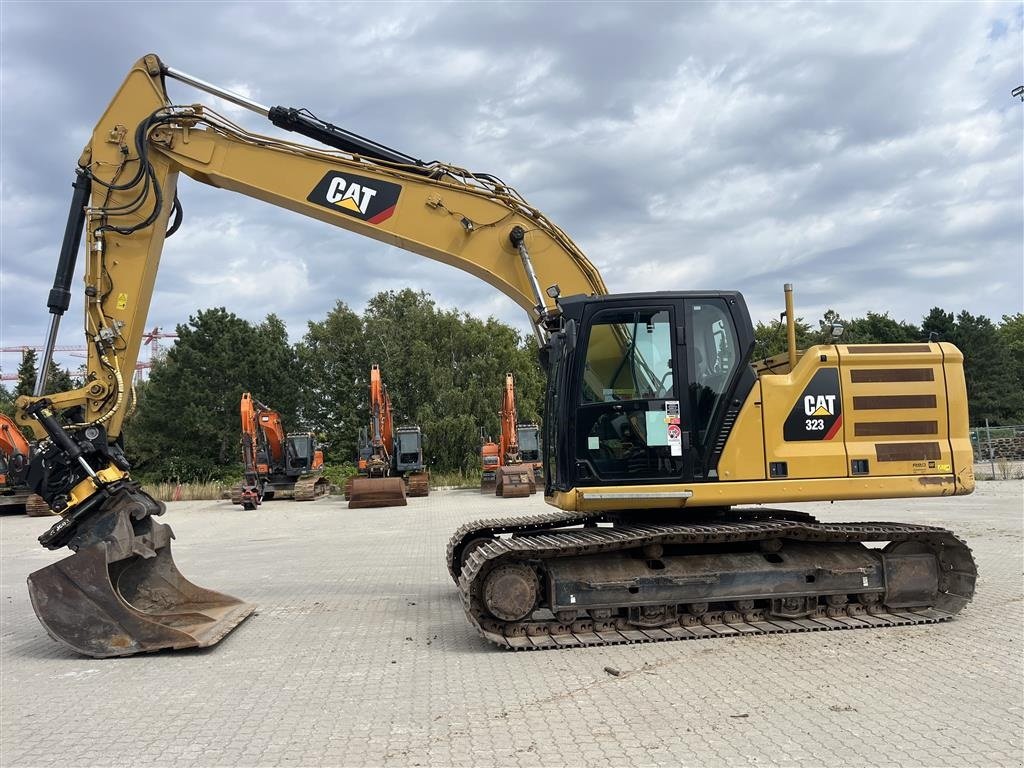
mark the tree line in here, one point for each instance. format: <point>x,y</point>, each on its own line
<point>445,372</point>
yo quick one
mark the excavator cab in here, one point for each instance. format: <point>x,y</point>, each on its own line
<point>409,460</point>
<point>529,449</point>
<point>409,449</point>
<point>301,450</point>
<point>652,387</point>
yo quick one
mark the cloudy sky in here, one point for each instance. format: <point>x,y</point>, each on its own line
<point>871,154</point>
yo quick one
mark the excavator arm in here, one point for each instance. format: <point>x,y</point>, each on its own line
<point>381,426</point>
<point>508,418</point>
<point>125,202</point>
<point>125,195</point>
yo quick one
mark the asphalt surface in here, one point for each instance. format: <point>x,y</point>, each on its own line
<point>360,654</point>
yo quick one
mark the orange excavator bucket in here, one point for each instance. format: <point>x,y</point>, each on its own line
<point>370,492</point>
<point>121,592</point>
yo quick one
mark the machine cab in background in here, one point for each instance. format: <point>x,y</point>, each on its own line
<point>644,388</point>
<point>302,453</point>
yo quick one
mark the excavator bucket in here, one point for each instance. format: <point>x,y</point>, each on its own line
<point>124,594</point>
<point>418,484</point>
<point>489,482</point>
<point>369,492</point>
<point>515,481</point>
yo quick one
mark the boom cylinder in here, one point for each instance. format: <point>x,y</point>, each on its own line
<point>518,239</point>
<point>60,295</point>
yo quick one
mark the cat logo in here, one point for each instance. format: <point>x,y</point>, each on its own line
<point>370,200</point>
<point>353,196</point>
<point>818,413</point>
<point>820,405</point>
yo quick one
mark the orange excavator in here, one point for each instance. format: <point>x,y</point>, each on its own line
<point>390,460</point>
<point>512,466</point>
<point>15,452</point>
<point>277,464</point>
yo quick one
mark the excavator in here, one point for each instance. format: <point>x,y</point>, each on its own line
<point>14,457</point>
<point>511,467</point>
<point>393,460</point>
<point>277,464</point>
<point>669,451</point>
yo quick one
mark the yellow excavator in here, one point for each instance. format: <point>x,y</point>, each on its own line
<point>663,438</point>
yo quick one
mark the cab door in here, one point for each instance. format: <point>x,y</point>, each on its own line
<point>630,396</point>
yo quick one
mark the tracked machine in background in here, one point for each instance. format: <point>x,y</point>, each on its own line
<point>511,467</point>
<point>277,464</point>
<point>662,435</point>
<point>390,460</point>
<point>15,452</point>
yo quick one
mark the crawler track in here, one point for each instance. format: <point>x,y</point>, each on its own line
<point>418,484</point>
<point>477,550</point>
<point>311,487</point>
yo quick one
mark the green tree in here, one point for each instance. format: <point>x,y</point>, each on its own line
<point>878,328</point>
<point>992,371</point>
<point>940,324</point>
<point>6,401</point>
<point>1011,336</point>
<point>57,379</point>
<point>26,373</point>
<point>993,391</point>
<point>187,426</point>
<point>332,359</point>
<point>770,338</point>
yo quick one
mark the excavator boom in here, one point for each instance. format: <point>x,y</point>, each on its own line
<point>657,419</point>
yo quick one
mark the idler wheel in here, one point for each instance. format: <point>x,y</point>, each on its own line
<point>510,591</point>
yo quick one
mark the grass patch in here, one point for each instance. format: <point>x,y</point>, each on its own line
<point>469,479</point>
<point>208,491</point>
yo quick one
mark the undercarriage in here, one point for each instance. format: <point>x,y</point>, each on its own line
<point>564,579</point>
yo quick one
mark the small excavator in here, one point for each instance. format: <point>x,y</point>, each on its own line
<point>512,466</point>
<point>15,451</point>
<point>669,450</point>
<point>278,465</point>
<point>390,460</point>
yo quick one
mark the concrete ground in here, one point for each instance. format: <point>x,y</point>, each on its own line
<point>360,655</point>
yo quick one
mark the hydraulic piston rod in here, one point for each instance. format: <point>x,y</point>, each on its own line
<point>60,295</point>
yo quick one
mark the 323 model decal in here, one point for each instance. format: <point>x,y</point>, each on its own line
<point>367,199</point>
<point>818,413</point>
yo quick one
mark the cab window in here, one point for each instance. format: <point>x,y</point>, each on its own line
<point>629,357</point>
<point>714,354</point>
